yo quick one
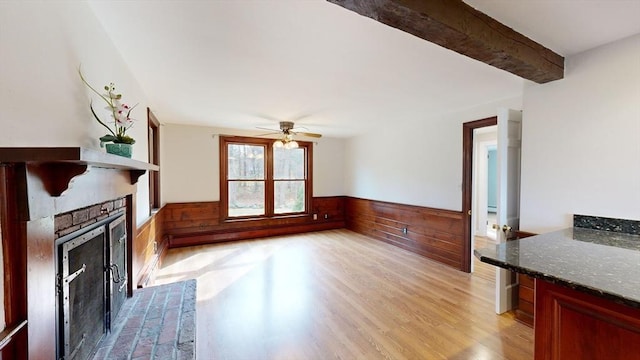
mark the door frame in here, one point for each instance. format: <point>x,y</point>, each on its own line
<point>467,182</point>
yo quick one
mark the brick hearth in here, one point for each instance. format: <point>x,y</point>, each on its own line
<point>156,323</point>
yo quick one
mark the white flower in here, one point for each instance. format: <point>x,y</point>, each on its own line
<point>121,113</point>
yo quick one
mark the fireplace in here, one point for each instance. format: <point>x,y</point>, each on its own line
<point>91,280</point>
<point>71,217</point>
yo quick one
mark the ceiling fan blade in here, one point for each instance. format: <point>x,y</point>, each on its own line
<point>314,135</point>
<point>271,133</point>
<point>267,129</point>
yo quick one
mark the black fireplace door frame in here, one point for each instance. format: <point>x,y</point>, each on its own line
<point>66,275</point>
<point>84,323</point>
<point>117,268</point>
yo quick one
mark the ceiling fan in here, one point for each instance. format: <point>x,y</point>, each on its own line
<point>287,130</point>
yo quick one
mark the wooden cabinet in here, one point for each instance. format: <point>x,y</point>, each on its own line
<point>525,309</point>
<point>526,295</point>
<point>570,324</point>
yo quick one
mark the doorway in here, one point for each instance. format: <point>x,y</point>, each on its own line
<point>484,201</point>
<point>484,196</point>
<point>509,135</point>
<point>468,130</point>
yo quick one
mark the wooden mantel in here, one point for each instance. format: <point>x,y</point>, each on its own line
<point>59,165</point>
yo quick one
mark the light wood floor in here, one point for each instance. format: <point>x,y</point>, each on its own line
<point>339,295</point>
<point>484,270</point>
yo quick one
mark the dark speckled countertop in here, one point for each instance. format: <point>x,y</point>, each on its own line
<point>597,262</point>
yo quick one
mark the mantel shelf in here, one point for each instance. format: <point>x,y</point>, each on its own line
<point>59,165</point>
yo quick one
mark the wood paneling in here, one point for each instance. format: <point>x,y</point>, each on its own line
<point>199,223</point>
<point>15,268</point>
<point>149,246</point>
<point>434,233</point>
<point>525,309</point>
<point>329,208</point>
<point>41,289</point>
<point>194,217</point>
<point>573,325</point>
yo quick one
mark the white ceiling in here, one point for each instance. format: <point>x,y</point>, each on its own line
<point>244,64</point>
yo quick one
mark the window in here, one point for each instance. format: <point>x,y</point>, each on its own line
<point>153,133</point>
<point>258,180</point>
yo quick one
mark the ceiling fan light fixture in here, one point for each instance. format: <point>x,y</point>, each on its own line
<point>287,132</point>
<point>291,145</point>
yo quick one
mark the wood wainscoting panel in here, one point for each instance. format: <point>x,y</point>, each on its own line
<point>329,208</point>
<point>193,216</point>
<point>199,223</point>
<point>434,233</point>
<point>149,246</point>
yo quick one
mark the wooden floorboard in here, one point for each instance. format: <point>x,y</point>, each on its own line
<point>481,269</point>
<point>339,295</point>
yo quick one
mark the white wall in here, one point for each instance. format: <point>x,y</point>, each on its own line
<point>480,177</point>
<point>191,165</point>
<point>581,140</point>
<point>42,100</point>
<point>417,161</point>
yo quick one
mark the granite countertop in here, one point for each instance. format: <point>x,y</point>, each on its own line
<point>602,263</point>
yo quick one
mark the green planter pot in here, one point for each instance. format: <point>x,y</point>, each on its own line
<point>119,149</point>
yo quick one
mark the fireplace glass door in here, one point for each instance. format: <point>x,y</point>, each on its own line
<point>83,293</point>
<point>117,266</point>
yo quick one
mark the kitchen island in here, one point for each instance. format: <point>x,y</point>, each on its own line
<point>587,288</point>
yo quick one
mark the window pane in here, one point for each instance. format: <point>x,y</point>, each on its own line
<point>288,163</point>
<point>246,198</point>
<point>245,162</point>
<point>289,197</point>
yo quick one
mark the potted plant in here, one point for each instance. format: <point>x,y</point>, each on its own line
<point>117,141</point>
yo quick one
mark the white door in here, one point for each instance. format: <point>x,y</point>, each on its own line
<point>508,212</point>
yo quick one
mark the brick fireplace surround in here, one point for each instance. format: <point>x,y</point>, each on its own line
<point>72,221</point>
<point>48,193</point>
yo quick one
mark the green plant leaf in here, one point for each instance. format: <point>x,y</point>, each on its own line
<point>108,138</point>
<point>98,119</point>
<point>90,87</point>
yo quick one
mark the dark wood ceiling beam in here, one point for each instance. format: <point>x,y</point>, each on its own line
<point>459,27</point>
